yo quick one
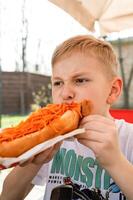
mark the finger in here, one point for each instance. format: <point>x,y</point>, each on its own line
<point>23,164</point>
<point>54,150</point>
<point>57,145</point>
<point>92,136</point>
<point>95,118</point>
<point>47,154</point>
<point>99,127</point>
<point>94,146</point>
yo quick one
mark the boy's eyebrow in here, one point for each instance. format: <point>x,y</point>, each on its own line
<point>56,77</point>
<point>79,74</point>
<point>73,76</point>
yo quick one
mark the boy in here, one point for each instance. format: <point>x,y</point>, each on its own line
<point>83,67</point>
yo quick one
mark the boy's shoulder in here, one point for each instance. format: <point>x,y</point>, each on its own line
<point>122,122</point>
<point>123,125</point>
<point>125,133</point>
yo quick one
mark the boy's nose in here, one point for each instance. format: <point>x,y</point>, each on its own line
<point>68,93</point>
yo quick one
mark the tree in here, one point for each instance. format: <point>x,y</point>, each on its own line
<point>126,83</point>
<point>24,36</point>
<point>37,56</point>
<point>24,61</point>
<point>42,97</point>
<point>0,93</point>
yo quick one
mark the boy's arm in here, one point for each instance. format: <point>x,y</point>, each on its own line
<point>102,137</point>
<point>122,173</point>
<point>18,183</point>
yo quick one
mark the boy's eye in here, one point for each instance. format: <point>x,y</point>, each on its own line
<point>57,83</point>
<point>81,80</point>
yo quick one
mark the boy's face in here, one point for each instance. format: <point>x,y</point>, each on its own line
<point>79,77</point>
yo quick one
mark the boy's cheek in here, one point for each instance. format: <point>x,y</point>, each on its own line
<point>55,97</point>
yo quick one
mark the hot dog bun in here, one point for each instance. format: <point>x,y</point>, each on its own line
<point>63,124</point>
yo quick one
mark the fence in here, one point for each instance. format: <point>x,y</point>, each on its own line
<point>17,89</point>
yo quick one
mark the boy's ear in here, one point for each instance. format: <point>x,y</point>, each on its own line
<point>116,88</point>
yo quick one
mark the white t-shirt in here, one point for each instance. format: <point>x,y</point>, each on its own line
<point>78,162</point>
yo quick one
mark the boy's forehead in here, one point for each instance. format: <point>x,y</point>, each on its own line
<point>76,65</point>
<point>72,75</point>
<point>78,58</point>
<point>73,71</point>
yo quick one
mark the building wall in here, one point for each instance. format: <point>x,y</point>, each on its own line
<point>17,89</point>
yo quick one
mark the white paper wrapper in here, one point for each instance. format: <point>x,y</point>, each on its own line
<point>10,162</point>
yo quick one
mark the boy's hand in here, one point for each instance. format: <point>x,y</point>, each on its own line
<point>44,156</point>
<point>101,137</point>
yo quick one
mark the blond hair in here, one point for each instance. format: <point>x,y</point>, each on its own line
<point>88,45</point>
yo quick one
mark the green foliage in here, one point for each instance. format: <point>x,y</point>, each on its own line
<point>42,97</point>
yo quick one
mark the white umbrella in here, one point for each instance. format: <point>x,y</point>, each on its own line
<point>111,15</point>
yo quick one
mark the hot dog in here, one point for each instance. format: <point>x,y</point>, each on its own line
<point>42,125</point>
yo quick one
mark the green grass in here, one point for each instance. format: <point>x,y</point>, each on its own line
<point>11,120</point>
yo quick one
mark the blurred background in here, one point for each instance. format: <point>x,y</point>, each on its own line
<point>29,32</point>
